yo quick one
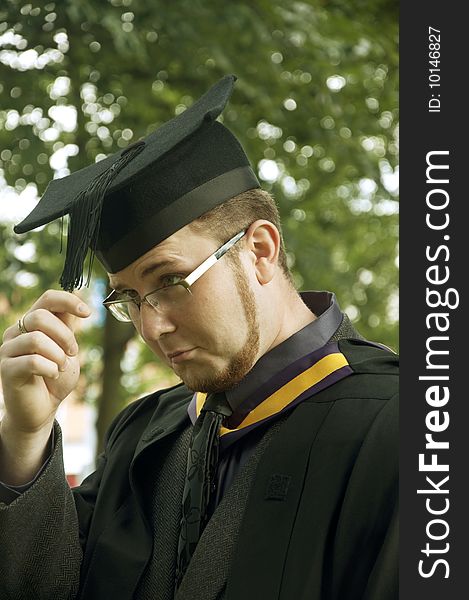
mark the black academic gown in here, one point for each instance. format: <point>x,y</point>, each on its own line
<point>320,522</point>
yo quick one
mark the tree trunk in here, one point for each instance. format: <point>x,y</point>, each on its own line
<point>112,399</point>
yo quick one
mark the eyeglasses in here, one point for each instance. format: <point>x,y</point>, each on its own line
<point>126,308</point>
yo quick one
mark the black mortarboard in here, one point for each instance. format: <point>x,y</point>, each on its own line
<point>126,204</point>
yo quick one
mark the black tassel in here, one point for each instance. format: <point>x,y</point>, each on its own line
<point>84,221</point>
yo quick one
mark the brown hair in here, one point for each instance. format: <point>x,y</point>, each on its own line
<point>227,219</point>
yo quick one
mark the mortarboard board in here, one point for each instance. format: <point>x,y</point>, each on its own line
<point>126,204</point>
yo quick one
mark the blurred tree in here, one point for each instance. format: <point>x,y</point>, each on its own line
<point>315,105</point>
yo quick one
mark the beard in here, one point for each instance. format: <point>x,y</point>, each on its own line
<point>242,362</point>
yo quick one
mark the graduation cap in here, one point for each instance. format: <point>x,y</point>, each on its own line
<point>126,204</point>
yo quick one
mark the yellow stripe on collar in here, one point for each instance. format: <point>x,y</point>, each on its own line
<point>287,393</point>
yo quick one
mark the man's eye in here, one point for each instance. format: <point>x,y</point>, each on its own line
<point>171,279</point>
<point>127,295</point>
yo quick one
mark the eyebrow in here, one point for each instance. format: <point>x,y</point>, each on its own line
<point>145,273</point>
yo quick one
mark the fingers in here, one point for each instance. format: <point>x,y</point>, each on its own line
<point>32,364</point>
<point>43,321</point>
<point>49,345</point>
<point>57,301</point>
<point>65,305</point>
<point>46,314</point>
<point>37,343</point>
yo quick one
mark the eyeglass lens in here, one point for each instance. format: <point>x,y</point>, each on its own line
<point>162,299</point>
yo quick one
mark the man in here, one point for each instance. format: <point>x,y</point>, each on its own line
<point>270,472</point>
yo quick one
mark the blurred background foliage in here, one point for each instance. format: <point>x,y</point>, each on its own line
<point>316,107</point>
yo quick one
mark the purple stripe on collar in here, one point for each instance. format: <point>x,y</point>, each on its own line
<point>230,438</point>
<point>192,409</point>
<point>277,381</point>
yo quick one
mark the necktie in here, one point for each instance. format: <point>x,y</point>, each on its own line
<point>202,463</point>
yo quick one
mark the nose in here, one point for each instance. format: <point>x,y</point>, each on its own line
<point>154,322</point>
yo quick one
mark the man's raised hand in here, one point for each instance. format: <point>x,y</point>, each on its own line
<point>41,367</point>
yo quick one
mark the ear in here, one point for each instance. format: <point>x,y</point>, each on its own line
<point>263,243</point>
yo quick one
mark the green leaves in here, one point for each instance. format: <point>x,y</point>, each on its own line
<point>317,98</point>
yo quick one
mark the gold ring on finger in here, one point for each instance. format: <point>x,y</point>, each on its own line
<point>21,327</point>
